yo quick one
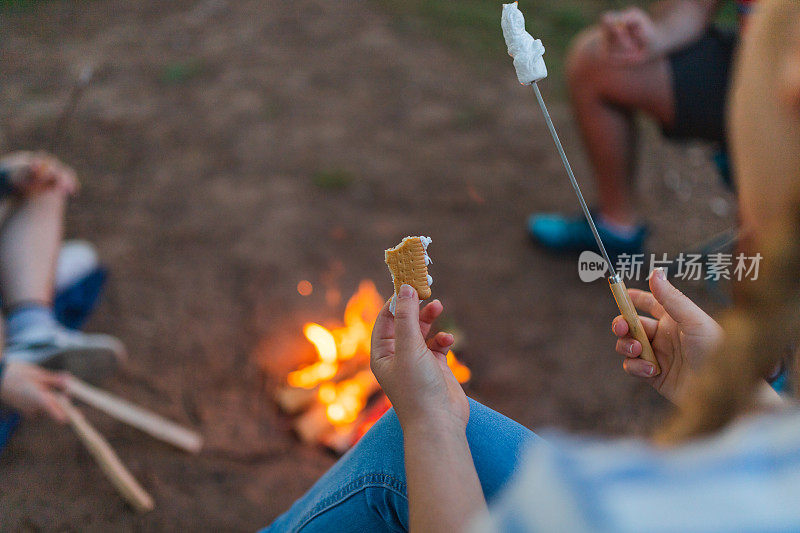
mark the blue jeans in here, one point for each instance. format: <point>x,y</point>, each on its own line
<point>366,489</point>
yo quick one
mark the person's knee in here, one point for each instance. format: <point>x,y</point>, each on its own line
<point>583,58</point>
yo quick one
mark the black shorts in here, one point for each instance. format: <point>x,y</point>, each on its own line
<point>701,76</point>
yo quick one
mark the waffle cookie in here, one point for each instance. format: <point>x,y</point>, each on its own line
<point>408,262</point>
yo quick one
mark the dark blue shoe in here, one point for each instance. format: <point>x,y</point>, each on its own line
<point>9,421</point>
<point>74,304</point>
<point>572,234</point>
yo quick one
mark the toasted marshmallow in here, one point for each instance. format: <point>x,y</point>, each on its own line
<point>526,51</point>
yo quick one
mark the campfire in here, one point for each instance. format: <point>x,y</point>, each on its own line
<point>336,399</point>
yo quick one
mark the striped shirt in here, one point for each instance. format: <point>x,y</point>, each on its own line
<point>745,479</point>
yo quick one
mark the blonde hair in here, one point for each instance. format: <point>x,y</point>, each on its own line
<point>765,319</point>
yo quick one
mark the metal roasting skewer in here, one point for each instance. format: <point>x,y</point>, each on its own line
<point>617,285</point>
<point>527,53</point>
<point>572,180</point>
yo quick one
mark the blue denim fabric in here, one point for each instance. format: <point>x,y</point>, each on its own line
<point>366,489</point>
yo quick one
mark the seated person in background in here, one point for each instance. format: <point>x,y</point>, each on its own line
<point>727,459</point>
<point>675,67</point>
<point>33,193</point>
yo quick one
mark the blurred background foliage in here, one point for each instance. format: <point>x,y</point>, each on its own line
<point>19,4</point>
<point>474,25</point>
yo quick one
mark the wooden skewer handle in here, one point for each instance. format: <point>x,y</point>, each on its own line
<point>631,316</point>
<point>109,462</point>
<point>154,425</point>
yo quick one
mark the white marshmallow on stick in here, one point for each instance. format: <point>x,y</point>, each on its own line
<point>529,64</point>
<point>526,51</point>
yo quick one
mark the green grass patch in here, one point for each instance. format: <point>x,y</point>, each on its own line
<point>181,72</point>
<point>333,179</point>
<point>19,5</point>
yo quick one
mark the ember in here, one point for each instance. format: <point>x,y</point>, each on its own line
<point>304,287</point>
<point>336,398</point>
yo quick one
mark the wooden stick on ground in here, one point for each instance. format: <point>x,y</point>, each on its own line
<point>142,419</point>
<point>104,454</point>
<point>292,400</point>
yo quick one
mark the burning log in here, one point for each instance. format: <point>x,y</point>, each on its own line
<point>313,424</point>
<point>337,404</point>
<point>293,400</point>
<point>342,439</point>
<point>336,398</point>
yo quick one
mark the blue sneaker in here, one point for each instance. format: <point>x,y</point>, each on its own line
<point>572,234</point>
<point>9,421</point>
<point>89,356</point>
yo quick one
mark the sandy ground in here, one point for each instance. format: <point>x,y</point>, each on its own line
<point>201,144</point>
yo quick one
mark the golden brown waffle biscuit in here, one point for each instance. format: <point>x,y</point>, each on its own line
<point>407,264</point>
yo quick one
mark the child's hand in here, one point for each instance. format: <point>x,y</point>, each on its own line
<point>32,173</point>
<point>414,373</point>
<point>630,37</point>
<point>681,334</point>
<point>32,390</point>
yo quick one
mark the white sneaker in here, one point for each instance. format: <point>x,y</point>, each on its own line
<point>90,356</point>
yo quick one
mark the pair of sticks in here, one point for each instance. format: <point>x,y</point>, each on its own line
<point>133,415</point>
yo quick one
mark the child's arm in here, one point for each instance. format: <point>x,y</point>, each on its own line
<point>443,488</point>
<point>682,336</point>
<point>444,492</point>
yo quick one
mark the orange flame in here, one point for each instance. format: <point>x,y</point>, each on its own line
<point>460,371</point>
<point>340,344</point>
<point>345,399</point>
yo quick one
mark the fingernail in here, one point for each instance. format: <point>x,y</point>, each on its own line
<point>659,273</point>
<point>405,291</point>
<point>650,370</point>
<point>630,349</point>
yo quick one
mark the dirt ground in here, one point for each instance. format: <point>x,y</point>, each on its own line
<point>230,149</point>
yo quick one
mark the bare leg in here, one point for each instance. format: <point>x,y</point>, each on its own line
<point>30,240</point>
<point>604,99</point>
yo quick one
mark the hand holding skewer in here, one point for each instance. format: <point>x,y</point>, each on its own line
<point>681,333</point>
